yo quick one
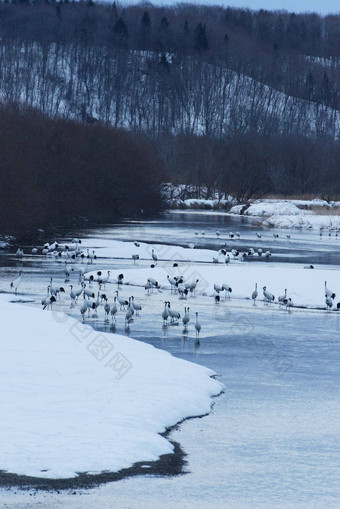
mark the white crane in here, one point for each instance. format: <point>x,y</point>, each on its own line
<point>91,255</point>
<point>113,310</point>
<point>154,256</point>
<point>197,326</point>
<point>183,291</point>
<point>268,296</point>
<point>186,318</point>
<point>47,301</point>
<point>53,289</point>
<point>73,296</point>
<point>136,306</point>
<point>67,271</point>
<point>173,282</point>
<point>89,293</point>
<point>328,292</point>
<point>165,313</point>
<point>227,290</point>
<point>174,315</point>
<point>267,255</point>
<point>20,252</point>
<point>289,304</point>
<point>107,309</point>
<point>122,302</point>
<point>15,284</point>
<point>283,298</point>
<point>148,287</point>
<point>329,302</point>
<point>128,315</point>
<point>193,285</point>
<point>153,283</point>
<point>95,306</point>
<point>254,294</point>
<point>218,288</point>
<point>103,280</point>
<point>84,307</point>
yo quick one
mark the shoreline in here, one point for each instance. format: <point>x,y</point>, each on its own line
<point>168,465</point>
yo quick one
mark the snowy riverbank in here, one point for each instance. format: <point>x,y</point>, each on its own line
<point>295,214</point>
<point>74,400</point>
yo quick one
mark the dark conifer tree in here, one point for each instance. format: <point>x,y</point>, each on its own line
<point>201,39</point>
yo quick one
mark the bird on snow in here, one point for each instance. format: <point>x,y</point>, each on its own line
<point>328,293</point>
<point>154,256</point>
<point>254,294</point>
<point>135,257</point>
<point>283,298</point>
<point>15,284</point>
<point>227,289</point>
<point>329,302</point>
<point>268,296</point>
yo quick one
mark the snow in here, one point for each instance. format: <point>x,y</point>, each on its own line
<point>74,400</point>
<point>287,214</point>
<point>304,286</point>
<point>301,221</point>
<point>114,248</point>
<point>269,209</point>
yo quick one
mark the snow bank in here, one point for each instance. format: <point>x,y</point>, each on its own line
<point>110,248</point>
<point>74,400</point>
<point>304,222</point>
<point>287,214</point>
<point>270,208</point>
<point>304,286</point>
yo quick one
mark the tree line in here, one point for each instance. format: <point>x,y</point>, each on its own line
<point>252,165</point>
<point>55,173</point>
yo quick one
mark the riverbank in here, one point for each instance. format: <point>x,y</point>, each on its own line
<point>273,213</point>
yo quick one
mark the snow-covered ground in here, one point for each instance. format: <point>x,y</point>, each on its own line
<point>295,214</point>
<point>74,400</point>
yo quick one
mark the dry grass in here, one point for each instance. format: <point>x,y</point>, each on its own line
<point>325,211</point>
<point>298,197</point>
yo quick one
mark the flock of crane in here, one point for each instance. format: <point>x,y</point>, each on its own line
<point>93,299</point>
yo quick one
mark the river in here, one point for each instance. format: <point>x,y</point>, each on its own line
<point>272,438</point>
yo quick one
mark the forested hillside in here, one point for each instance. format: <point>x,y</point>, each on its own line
<point>239,101</point>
